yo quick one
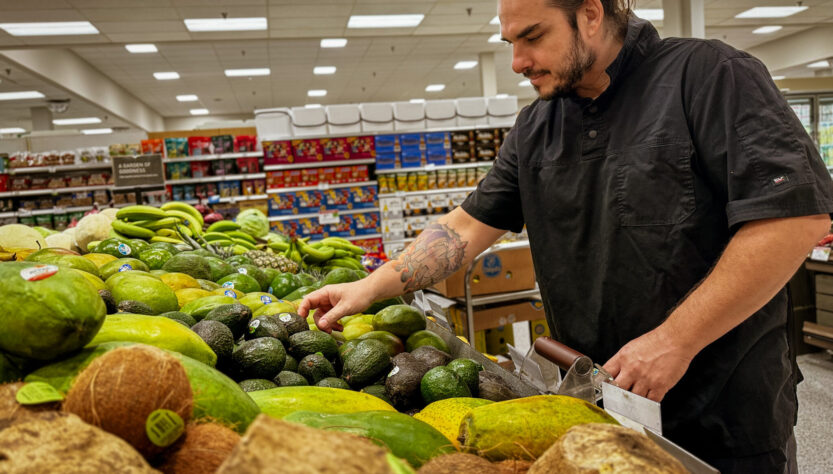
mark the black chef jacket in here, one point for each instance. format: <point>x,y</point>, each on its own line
<point>630,199</point>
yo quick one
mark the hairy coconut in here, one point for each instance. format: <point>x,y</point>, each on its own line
<point>459,463</point>
<point>514,466</point>
<point>11,410</point>
<point>120,389</point>
<point>202,448</point>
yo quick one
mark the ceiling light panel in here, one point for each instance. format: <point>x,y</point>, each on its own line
<point>187,98</point>
<point>199,111</point>
<point>324,70</point>
<point>465,65</point>
<point>97,131</point>
<point>50,28</point>
<point>141,48</point>
<point>22,95</point>
<point>435,88</point>
<point>765,30</point>
<point>12,130</point>
<point>77,121</point>
<point>262,71</point>
<point>650,14</point>
<point>771,12</point>
<point>495,38</point>
<point>385,21</point>
<point>333,43</point>
<point>226,24</point>
<point>166,76</point>
<point>819,64</point>
<point>316,93</point>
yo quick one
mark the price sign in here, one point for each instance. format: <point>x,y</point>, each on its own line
<point>144,170</point>
<point>821,254</point>
<point>328,218</point>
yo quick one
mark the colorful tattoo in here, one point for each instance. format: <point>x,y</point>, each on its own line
<point>435,255</point>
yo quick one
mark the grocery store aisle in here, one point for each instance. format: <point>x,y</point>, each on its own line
<point>814,431</point>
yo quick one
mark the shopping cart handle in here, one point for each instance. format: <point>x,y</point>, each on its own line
<point>557,353</point>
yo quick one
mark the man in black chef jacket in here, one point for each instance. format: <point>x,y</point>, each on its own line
<point>669,194</point>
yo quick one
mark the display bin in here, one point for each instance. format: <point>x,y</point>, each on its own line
<point>376,117</point>
<point>502,111</point>
<point>440,114</point>
<point>309,122</point>
<point>408,116</point>
<point>272,124</point>
<point>472,111</point>
<point>342,119</point>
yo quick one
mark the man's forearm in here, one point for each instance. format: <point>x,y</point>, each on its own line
<point>759,260</point>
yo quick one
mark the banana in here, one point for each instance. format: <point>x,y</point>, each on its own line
<point>278,246</point>
<point>342,253</point>
<point>187,219</point>
<point>343,244</point>
<point>139,213</point>
<point>315,255</point>
<point>167,222</point>
<point>345,263</point>
<point>241,235</point>
<point>159,238</point>
<point>223,226</point>
<point>131,230</point>
<point>185,230</point>
<point>183,207</point>
<point>212,236</point>
<point>239,250</point>
<point>167,233</point>
<point>243,243</point>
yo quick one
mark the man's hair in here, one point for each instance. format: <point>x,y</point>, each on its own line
<point>616,13</point>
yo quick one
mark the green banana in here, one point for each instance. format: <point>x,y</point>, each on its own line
<point>345,263</point>
<point>139,213</point>
<point>241,235</point>
<point>239,250</point>
<point>187,219</point>
<point>184,207</point>
<point>223,226</point>
<point>342,253</point>
<point>315,255</point>
<point>170,240</point>
<point>212,236</point>
<point>278,246</point>
<point>167,233</point>
<point>243,243</point>
<point>131,230</point>
<point>185,230</point>
<point>167,222</point>
<point>343,244</point>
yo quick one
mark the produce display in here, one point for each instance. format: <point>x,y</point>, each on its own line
<point>174,332</point>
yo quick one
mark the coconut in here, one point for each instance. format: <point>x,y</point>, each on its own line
<point>120,389</point>
<point>514,466</point>
<point>11,410</point>
<point>459,463</point>
<point>202,448</point>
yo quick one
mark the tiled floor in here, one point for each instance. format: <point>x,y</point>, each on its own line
<point>814,431</point>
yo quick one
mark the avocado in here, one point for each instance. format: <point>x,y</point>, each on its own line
<point>239,260</point>
<point>293,322</point>
<point>236,316</point>
<point>339,275</point>
<point>467,370</point>
<point>377,391</point>
<point>366,363</point>
<point>290,379</point>
<point>333,382</point>
<point>440,383</point>
<point>180,316</point>
<point>492,387</point>
<point>309,342</point>
<point>315,367</point>
<point>267,326</point>
<point>402,320</point>
<point>432,356</point>
<point>109,302</point>
<point>218,337</point>
<point>261,358</point>
<point>291,364</point>
<point>300,292</point>
<point>193,265</point>
<point>402,385</point>
<point>253,385</point>
<point>394,344</point>
<point>208,285</point>
<point>219,268</point>
<point>240,282</point>
<point>345,348</point>
<point>425,338</point>
<point>306,279</point>
<point>284,284</point>
<point>382,304</point>
<point>253,271</point>
<point>135,307</point>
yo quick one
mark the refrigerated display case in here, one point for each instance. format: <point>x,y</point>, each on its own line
<point>825,131</point>
<point>815,111</point>
<point>803,108</point>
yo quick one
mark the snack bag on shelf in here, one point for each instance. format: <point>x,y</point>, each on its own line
<point>260,186</point>
<point>56,182</point>
<point>223,143</point>
<point>68,158</point>
<point>133,149</point>
<point>200,169</point>
<point>85,156</point>
<point>4,183</point>
<point>248,165</point>
<point>189,192</point>
<point>198,146</point>
<point>176,147</point>
<point>248,187</point>
<point>153,146</point>
<point>245,143</point>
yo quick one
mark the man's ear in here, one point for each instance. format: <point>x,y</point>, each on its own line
<point>590,19</point>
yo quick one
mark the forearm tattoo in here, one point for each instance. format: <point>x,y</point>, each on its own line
<point>435,255</point>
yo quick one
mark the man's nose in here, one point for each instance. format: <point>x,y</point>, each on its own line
<point>520,59</point>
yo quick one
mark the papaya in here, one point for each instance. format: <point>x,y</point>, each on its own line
<point>163,333</point>
<point>200,307</point>
<point>63,258</point>
<point>215,395</point>
<point>281,401</point>
<point>406,437</point>
<point>445,415</point>
<point>524,428</point>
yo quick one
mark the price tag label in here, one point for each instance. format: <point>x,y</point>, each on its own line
<point>323,186</point>
<point>400,194</point>
<point>36,393</point>
<point>328,218</point>
<point>821,254</point>
<point>164,427</point>
<point>430,167</point>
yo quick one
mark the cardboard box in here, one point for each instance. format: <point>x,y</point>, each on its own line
<point>498,338</point>
<point>539,328</point>
<point>502,272</point>
<point>493,316</point>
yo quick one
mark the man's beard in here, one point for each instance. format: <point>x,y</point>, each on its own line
<point>579,61</point>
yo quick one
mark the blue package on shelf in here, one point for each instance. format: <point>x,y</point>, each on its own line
<point>385,160</point>
<point>309,202</point>
<point>282,204</point>
<point>340,199</point>
<point>411,157</point>
<point>344,227</point>
<point>364,197</point>
<point>410,140</point>
<point>437,139</point>
<point>436,156</point>
<point>385,143</point>
<point>366,223</point>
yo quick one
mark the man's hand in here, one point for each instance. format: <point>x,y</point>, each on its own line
<point>333,302</point>
<point>649,365</point>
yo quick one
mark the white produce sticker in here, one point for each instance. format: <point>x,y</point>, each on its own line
<point>265,299</point>
<point>228,284</point>
<point>243,271</point>
<point>38,272</point>
<point>125,249</point>
<point>394,371</point>
<point>285,317</point>
<point>230,294</point>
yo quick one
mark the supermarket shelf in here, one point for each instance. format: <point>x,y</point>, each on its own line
<point>4,215</point>
<point>321,187</point>
<point>396,132</point>
<point>211,199</point>
<point>436,167</point>
<point>356,237</point>
<point>222,156</point>
<point>316,214</point>
<point>37,192</point>
<point>319,164</point>
<point>427,192</point>
<point>503,297</point>
<point>42,212</point>
<point>55,169</point>
<point>215,179</point>
<point>400,241</point>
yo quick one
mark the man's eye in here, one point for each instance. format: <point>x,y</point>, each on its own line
<point>533,39</point>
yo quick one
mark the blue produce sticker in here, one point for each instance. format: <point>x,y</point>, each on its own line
<point>125,267</point>
<point>230,293</point>
<point>265,299</point>
<point>125,249</point>
<point>492,265</point>
<point>228,284</point>
<point>243,271</point>
<point>269,290</point>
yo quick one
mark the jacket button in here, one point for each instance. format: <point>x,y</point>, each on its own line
<point>593,109</point>
<point>592,133</point>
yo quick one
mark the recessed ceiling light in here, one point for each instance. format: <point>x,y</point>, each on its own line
<point>141,48</point>
<point>384,21</point>
<point>313,106</point>
<point>435,88</point>
<point>417,101</point>
<point>333,43</point>
<point>770,12</point>
<point>97,131</point>
<point>77,121</point>
<point>501,96</point>
<point>166,76</point>
<point>324,70</point>
<point>226,24</point>
<point>778,78</point>
<point>21,95</point>
<point>819,64</point>
<point>495,38</point>
<point>495,20</point>
<point>262,71</point>
<point>316,93</point>
<point>12,130</point>
<point>765,30</point>
<point>525,83</point>
<point>199,111</point>
<point>187,98</point>
<point>650,14</point>
<point>50,28</point>
<point>465,65</point>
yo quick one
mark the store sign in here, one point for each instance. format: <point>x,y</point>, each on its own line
<point>142,170</point>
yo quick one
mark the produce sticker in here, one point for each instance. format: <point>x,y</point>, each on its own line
<point>163,427</point>
<point>265,299</point>
<point>285,317</point>
<point>35,393</point>
<point>228,284</point>
<point>253,326</point>
<point>230,293</point>
<point>38,272</point>
<point>125,267</point>
<point>243,271</point>
<point>125,249</point>
<point>394,371</point>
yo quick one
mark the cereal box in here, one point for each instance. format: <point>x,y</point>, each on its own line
<point>364,197</point>
<point>278,152</point>
<point>340,199</point>
<point>335,149</point>
<point>362,147</point>
<point>282,204</point>
<point>307,151</point>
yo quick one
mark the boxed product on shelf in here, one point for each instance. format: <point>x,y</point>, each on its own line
<point>437,156</point>
<point>437,140</point>
<point>282,204</point>
<point>363,197</point>
<point>359,173</point>
<point>366,223</point>
<point>4,182</point>
<point>19,183</point>
<point>342,228</point>
<point>457,198</point>
<point>245,143</point>
<point>415,205</point>
<point>278,152</point>
<point>176,147</point>
<point>293,178</point>
<point>307,151</point>
<point>153,146</point>
<point>101,196</point>
<point>410,157</point>
<point>274,179</point>
<point>309,176</point>
<point>189,192</point>
<point>247,187</point>
<point>386,160</point>
<point>248,165</point>
<point>394,229</point>
<point>335,148</point>
<point>438,203</point>
<point>124,198</point>
<point>391,207</point>
<point>290,228</point>
<point>539,328</point>
<point>310,227</point>
<point>223,143</point>
<point>60,221</point>
<point>410,140</point>
<point>387,143</point>
<point>198,146</point>
<point>309,201</point>
<point>98,179</point>
<point>44,220</point>
<point>414,226</point>
<point>343,174</point>
<point>7,205</point>
<point>229,188</point>
<point>327,175</point>
<point>362,147</point>
<point>259,186</point>
<point>340,199</point>
<point>218,167</point>
<point>28,220</point>
<point>82,199</point>
<point>177,193</point>
<point>200,169</point>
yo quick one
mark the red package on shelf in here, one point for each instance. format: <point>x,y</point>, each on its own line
<point>245,143</point>
<point>359,173</point>
<point>275,179</point>
<point>198,146</point>
<point>327,175</point>
<point>279,152</point>
<point>307,151</point>
<point>153,146</point>
<point>309,177</point>
<point>292,178</point>
<point>248,165</point>
<point>342,174</point>
<point>200,169</point>
<point>4,182</point>
<point>335,149</point>
<point>362,147</point>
